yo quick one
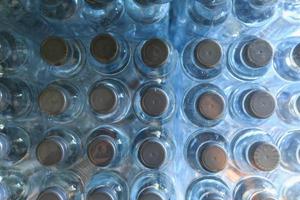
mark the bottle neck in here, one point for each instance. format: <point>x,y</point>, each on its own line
<point>5,49</point>
<point>4,146</point>
<point>5,97</point>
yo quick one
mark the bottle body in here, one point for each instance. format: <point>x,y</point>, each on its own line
<point>17,99</point>
<point>290,189</point>
<point>107,147</point>
<point>65,148</point>
<point>153,148</point>
<point>251,188</point>
<point>253,150</point>
<point>208,187</point>
<point>205,105</point>
<point>251,104</point>
<point>202,59</point>
<point>287,59</point>
<point>152,185</point>
<point>61,101</point>
<point>255,13</point>
<point>244,61</point>
<point>107,184</point>
<point>155,58</point>
<point>64,58</point>
<point>154,102</point>
<point>202,146</point>
<point>109,53</point>
<point>290,10</point>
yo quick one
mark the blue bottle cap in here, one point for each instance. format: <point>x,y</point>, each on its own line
<point>155,52</point>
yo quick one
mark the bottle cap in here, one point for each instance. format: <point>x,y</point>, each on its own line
<point>263,2</point>
<point>152,154</point>
<point>103,99</point>
<point>49,152</point>
<point>149,195</point>
<point>98,3</point>
<point>4,145</point>
<point>54,51</point>
<point>257,53</point>
<point>212,196</point>
<point>101,152</point>
<point>260,104</point>
<point>208,53</point>
<point>298,104</point>
<point>155,53</point>
<point>263,196</point>
<point>104,48</point>
<point>154,102</point>
<point>52,194</point>
<point>296,54</point>
<point>213,158</point>
<point>210,105</point>
<point>264,156</point>
<point>99,194</point>
<point>52,101</point>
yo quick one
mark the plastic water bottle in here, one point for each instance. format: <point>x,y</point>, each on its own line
<point>15,145</point>
<point>207,151</point>
<point>250,58</point>
<point>64,58</point>
<point>107,147</point>
<point>288,101</point>
<point>154,102</point>
<point>17,53</point>
<point>254,13</point>
<point>291,10</point>
<point>253,150</point>
<point>60,148</point>
<point>251,104</point>
<point>205,105</point>
<point>61,185</point>
<point>290,189</point>
<point>202,59</point>
<point>153,148</point>
<point>109,53</point>
<point>17,99</point>
<point>152,185</point>
<point>208,188</point>
<point>287,59</point>
<point>109,100</point>
<point>255,188</point>
<point>106,185</point>
<point>155,58</point>
<point>150,17</point>
<point>61,101</point>
<point>289,144</point>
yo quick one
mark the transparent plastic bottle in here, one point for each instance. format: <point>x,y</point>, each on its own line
<point>152,185</point>
<point>205,105</point>
<point>61,185</point>
<point>291,9</point>
<point>106,185</point>
<point>202,59</point>
<point>17,99</point>
<point>254,150</point>
<point>288,103</point>
<point>155,58</point>
<point>289,146</point>
<point>16,53</point>
<point>207,151</point>
<point>61,101</point>
<point>255,13</point>
<point>109,53</point>
<point>251,104</point>
<point>151,17</point>
<point>287,59</point>
<point>13,185</point>
<point>255,188</point>
<point>15,144</point>
<point>205,15</point>
<point>154,102</point>
<point>64,57</point>
<point>109,100</point>
<point>60,148</point>
<point>250,58</point>
<point>208,188</point>
<point>107,146</point>
<point>290,189</point>
<point>153,148</point>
